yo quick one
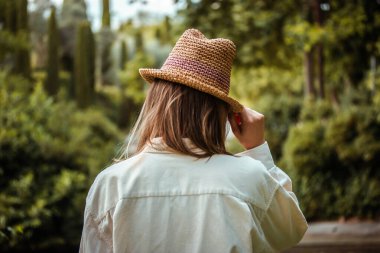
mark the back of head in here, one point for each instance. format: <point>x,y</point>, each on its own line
<point>173,112</point>
<point>188,101</point>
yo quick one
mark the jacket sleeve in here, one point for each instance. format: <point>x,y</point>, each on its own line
<point>97,231</point>
<point>92,240</point>
<point>283,224</point>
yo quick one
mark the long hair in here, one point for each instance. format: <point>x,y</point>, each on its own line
<point>174,111</point>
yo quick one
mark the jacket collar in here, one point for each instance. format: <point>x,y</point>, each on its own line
<point>157,145</point>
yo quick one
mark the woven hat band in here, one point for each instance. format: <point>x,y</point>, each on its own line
<point>200,71</point>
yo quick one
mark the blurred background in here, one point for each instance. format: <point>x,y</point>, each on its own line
<point>70,91</point>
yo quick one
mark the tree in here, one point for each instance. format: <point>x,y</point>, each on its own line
<point>319,19</point>
<point>23,55</point>
<point>166,35</point>
<point>332,40</point>
<point>309,54</point>
<point>84,65</point>
<point>106,17</point>
<point>14,44</point>
<point>139,42</point>
<point>123,54</point>
<point>47,163</point>
<point>354,28</point>
<point>257,36</point>
<point>106,38</point>
<point>10,15</point>
<point>22,15</point>
<point>91,61</point>
<point>73,12</point>
<point>133,88</point>
<point>52,80</point>
<point>158,34</point>
<point>38,26</point>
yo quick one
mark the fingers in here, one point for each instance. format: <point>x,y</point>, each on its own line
<point>251,131</point>
<point>234,126</point>
<point>248,115</point>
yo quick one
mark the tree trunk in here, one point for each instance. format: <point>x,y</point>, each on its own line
<point>373,74</point>
<point>320,76</point>
<point>52,80</point>
<point>309,73</point>
<point>318,18</point>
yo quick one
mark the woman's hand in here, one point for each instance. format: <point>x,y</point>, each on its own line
<point>250,132</point>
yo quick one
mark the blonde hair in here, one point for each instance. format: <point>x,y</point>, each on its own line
<point>174,111</point>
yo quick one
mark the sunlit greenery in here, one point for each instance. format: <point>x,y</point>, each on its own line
<point>50,153</point>
<point>66,105</point>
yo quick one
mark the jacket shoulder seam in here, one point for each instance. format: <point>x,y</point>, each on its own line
<point>165,194</point>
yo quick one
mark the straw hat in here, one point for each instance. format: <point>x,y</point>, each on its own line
<point>200,63</point>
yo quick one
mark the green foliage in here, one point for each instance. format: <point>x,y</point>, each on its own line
<point>49,148</point>
<point>256,27</point>
<point>251,84</point>
<point>157,33</point>
<point>9,13</point>
<point>51,84</point>
<point>12,43</point>
<point>133,84</point>
<point>84,65</point>
<point>359,197</point>
<point>353,36</point>
<point>133,88</point>
<point>108,100</point>
<point>139,43</point>
<point>311,163</point>
<point>281,113</point>
<point>106,17</point>
<point>123,54</point>
<point>22,64</point>
<point>273,92</point>
<point>164,31</point>
<point>14,39</point>
<point>278,33</point>
<point>106,38</point>
<point>22,14</point>
<point>333,158</point>
<point>49,154</point>
<point>316,110</point>
<point>73,12</point>
<point>355,134</point>
<point>233,146</point>
<point>309,154</point>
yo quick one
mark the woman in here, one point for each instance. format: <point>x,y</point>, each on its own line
<point>182,191</point>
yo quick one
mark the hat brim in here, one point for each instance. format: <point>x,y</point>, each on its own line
<point>169,75</point>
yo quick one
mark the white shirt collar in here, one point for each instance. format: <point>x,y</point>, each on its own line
<point>157,145</point>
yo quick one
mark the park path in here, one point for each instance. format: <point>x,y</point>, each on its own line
<point>337,237</point>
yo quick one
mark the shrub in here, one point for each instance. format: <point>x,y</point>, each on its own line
<point>49,154</point>
<point>333,157</point>
<point>274,92</point>
<point>281,112</point>
<point>355,136</point>
<point>310,162</point>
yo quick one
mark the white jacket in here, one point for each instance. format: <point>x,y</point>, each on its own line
<point>158,201</point>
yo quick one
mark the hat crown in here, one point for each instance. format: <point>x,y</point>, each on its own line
<point>194,33</point>
<point>200,63</point>
<point>207,60</point>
